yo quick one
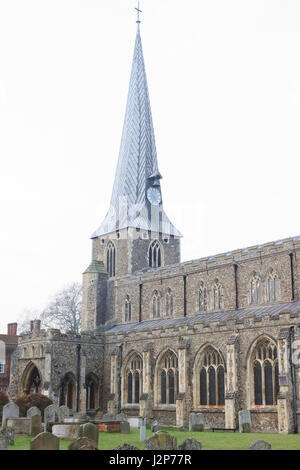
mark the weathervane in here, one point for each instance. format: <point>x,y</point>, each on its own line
<point>138,12</point>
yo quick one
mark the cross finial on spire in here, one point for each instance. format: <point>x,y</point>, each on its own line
<point>138,12</point>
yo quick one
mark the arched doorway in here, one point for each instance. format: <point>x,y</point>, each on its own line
<point>31,380</point>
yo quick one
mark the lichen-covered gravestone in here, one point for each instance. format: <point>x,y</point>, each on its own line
<point>125,427</point>
<point>9,433</point>
<point>260,445</point>
<point>161,440</point>
<point>45,441</point>
<point>10,410</point>
<point>3,443</point>
<point>35,425</point>
<point>33,411</point>
<point>83,443</point>
<point>245,421</point>
<point>51,415</point>
<point>126,447</point>
<point>190,444</point>
<point>89,430</point>
<point>196,422</point>
<point>155,426</point>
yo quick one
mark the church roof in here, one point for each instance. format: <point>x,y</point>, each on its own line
<point>207,318</point>
<point>137,158</point>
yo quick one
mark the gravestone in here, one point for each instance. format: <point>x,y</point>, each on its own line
<point>51,415</point>
<point>10,410</point>
<point>35,425</point>
<point>64,412</point>
<point>260,445</point>
<point>190,444</point>
<point>121,417</point>
<point>126,447</point>
<point>3,443</point>
<point>19,425</point>
<point>33,411</point>
<point>155,426</point>
<point>161,440</point>
<point>89,430</point>
<point>142,433</point>
<point>45,441</point>
<point>245,421</point>
<point>196,422</point>
<point>9,433</point>
<point>83,443</point>
<point>125,427</point>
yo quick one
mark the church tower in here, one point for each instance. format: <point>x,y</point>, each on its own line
<point>136,233</point>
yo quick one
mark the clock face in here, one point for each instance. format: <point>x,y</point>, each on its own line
<point>153,195</point>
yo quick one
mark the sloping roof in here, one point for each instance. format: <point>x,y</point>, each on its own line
<point>137,158</point>
<point>258,311</point>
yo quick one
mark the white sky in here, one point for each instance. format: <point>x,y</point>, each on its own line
<point>224,80</point>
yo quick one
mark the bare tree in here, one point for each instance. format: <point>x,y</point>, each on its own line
<point>64,310</point>
<point>24,320</point>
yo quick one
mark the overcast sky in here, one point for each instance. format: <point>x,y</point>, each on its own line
<point>224,81</point>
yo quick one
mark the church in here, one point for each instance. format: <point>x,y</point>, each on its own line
<point>163,338</point>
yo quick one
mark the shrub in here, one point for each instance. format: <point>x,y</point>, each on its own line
<point>25,402</point>
<point>3,401</point>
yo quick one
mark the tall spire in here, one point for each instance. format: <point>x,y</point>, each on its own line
<point>137,158</point>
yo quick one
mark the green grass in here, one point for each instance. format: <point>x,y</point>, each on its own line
<point>210,440</point>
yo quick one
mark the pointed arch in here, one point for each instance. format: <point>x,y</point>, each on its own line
<point>169,303</point>
<point>155,254</point>
<point>272,286</point>
<point>202,297</point>
<point>132,379</point>
<point>255,289</point>
<point>156,304</point>
<point>127,309</point>
<point>217,295</point>
<point>31,380</point>
<point>92,391</point>
<point>67,391</point>
<point>111,259</point>
<point>166,378</point>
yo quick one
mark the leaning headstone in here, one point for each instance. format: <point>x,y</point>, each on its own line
<point>89,430</point>
<point>260,445</point>
<point>142,433</point>
<point>245,421</point>
<point>10,410</point>
<point>64,412</point>
<point>155,426</point>
<point>9,433</point>
<point>126,447</point>
<point>125,427</point>
<point>161,440</point>
<point>45,441</point>
<point>35,425</point>
<point>51,415</point>
<point>33,411</point>
<point>190,444</point>
<point>196,422</point>
<point>3,443</point>
<point>83,443</point>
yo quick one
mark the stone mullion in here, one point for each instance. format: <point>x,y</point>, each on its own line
<point>231,389</point>
<point>284,400</point>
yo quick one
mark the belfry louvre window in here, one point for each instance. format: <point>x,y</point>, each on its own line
<point>212,378</point>
<point>265,374</point>
<point>134,379</point>
<point>127,309</point>
<point>168,378</point>
<point>155,254</point>
<point>111,259</point>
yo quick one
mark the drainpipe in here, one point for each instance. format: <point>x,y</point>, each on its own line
<point>293,378</point>
<point>184,295</point>
<point>236,286</point>
<point>292,275</point>
<point>140,301</point>
<point>78,348</point>
<point>119,364</point>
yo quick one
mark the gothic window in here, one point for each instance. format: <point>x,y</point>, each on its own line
<point>264,367</point>
<point>212,378</point>
<point>272,287</point>
<point>217,295</point>
<point>169,303</point>
<point>156,304</point>
<point>67,391</point>
<point>133,379</point>
<point>155,254</point>
<point>111,259</point>
<point>168,378</point>
<point>92,391</point>
<point>202,298</point>
<point>127,309</point>
<point>255,289</point>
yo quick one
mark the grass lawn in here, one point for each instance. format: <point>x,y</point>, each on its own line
<point>210,441</point>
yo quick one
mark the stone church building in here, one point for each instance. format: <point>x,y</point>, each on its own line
<point>161,338</point>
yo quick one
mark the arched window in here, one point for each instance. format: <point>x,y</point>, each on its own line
<point>217,295</point>
<point>169,303</point>
<point>264,370</point>
<point>92,391</point>
<point>127,309</point>
<point>211,378</point>
<point>255,289</point>
<point>168,378</point>
<point>202,298</point>
<point>272,287</point>
<point>111,259</point>
<point>156,304</point>
<point>133,379</point>
<point>67,391</point>
<point>155,254</point>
